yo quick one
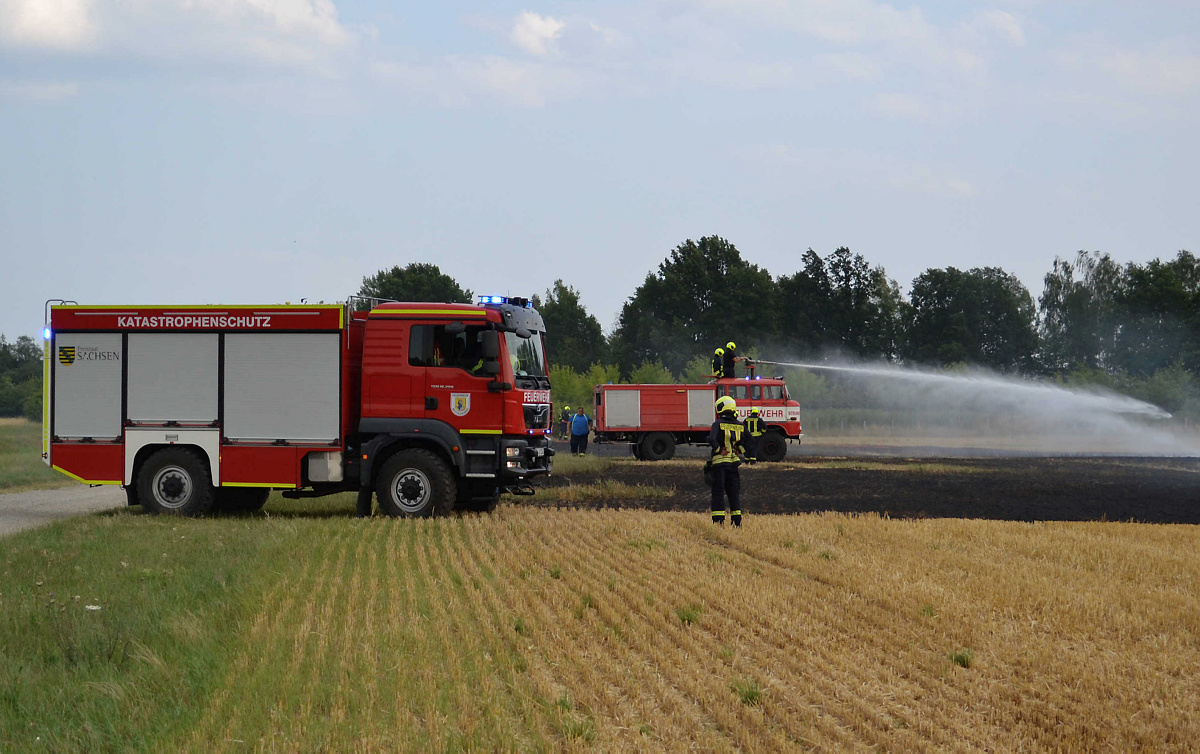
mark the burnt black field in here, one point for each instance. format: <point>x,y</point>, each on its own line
<point>1150,490</point>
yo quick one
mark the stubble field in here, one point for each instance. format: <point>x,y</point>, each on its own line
<point>544,629</point>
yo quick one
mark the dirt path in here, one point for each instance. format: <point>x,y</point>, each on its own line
<point>25,510</point>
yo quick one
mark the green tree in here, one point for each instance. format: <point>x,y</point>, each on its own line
<point>419,281</point>
<point>651,373</point>
<point>573,337</point>
<point>702,295</point>
<point>1158,308</point>
<point>1079,312</point>
<point>982,316</point>
<point>841,302</point>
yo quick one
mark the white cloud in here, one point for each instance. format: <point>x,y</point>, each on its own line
<point>458,80</point>
<point>1169,68</point>
<point>49,24</point>
<point>536,34</point>
<point>859,168</point>
<point>278,31</point>
<point>900,105</point>
<point>38,90</point>
<point>843,21</point>
<point>1002,23</point>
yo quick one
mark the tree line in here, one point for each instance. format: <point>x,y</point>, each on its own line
<point>1132,327</point>
<point>21,378</point>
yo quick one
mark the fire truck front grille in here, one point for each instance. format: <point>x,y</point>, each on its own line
<point>537,415</point>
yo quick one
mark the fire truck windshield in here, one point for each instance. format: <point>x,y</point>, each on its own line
<point>527,355</point>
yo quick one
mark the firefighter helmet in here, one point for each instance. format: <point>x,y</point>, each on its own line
<point>719,352</point>
<point>731,345</point>
<point>754,411</point>
<point>725,404</point>
<point>566,408</point>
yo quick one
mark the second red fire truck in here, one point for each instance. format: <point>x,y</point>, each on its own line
<point>431,407</point>
<point>653,419</point>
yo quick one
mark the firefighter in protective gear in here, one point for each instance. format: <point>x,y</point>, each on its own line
<point>730,357</point>
<point>725,438</point>
<point>565,422</point>
<point>718,362</point>
<point>754,431</point>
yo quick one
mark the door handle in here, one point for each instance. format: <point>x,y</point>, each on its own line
<point>430,403</point>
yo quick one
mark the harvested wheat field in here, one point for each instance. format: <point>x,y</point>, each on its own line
<point>628,629</point>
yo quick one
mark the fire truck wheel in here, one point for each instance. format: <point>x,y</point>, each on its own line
<point>658,446</point>
<point>772,446</point>
<point>174,481</point>
<point>415,482</point>
<point>241,499</point>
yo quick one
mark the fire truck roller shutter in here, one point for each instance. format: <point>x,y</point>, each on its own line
<point>172,377</point>
<point>623,408</point>
<point>700,408</point>
<point>87,385</point>
<point>282,386</point>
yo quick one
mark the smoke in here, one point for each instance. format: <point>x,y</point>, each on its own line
<point>986,411</point>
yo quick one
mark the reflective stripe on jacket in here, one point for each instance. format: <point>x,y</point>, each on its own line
<point>754,426</point>
<point>725,438</point>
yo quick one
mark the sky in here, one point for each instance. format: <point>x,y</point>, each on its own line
<point>262,151</point>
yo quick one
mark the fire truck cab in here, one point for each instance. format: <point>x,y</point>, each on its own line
<point>194,408</point>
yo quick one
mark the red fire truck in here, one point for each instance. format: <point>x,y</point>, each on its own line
<point>191,408</point>
<point>656,418</point>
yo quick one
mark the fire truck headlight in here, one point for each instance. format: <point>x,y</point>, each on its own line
<point>512,452</point>
<point>513,464</point>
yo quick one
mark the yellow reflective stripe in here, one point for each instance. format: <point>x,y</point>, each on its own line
<point>718,513</point>
<point>61,470</point>
<point>480,431</point>
<point>46,400</point>
<point>736,513</point>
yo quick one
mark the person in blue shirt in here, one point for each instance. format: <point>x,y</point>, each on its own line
<point>581,425</point>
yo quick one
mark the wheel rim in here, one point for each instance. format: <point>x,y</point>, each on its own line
<point>411,490</point>
<point>172,487</point>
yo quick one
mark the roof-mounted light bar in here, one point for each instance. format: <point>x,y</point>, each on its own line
<point>511,300</point>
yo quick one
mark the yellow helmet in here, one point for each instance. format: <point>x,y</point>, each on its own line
<point>731,345</point>
<point>568,408</point>
<point>719,352</point>
<point>724,404</point>
<point>754,411</point>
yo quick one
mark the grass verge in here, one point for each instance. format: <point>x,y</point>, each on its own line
<point>21,466</point>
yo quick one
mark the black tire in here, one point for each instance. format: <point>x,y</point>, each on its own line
<point>241,499</point>
<point>772,446</point>
<point>175,482</point>
<point>416,483</point>
<point>658,446</point>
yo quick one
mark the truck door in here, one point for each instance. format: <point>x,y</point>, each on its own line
<point>456,389</point>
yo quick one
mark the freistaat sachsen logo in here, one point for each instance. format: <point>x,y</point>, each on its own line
<point>66,355</point>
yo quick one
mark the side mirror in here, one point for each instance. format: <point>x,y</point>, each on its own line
<point>454,328</point>
<point>491,368</point>
<point>491,345</point>
<point>523,334</point>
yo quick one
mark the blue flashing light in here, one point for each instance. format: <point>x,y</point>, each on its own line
<point>46,333</point>
<point>493,300</point>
